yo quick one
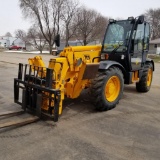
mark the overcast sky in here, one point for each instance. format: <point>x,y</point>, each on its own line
<point>11,17</point>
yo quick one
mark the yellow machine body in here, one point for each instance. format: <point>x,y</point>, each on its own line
<point>72,70</point>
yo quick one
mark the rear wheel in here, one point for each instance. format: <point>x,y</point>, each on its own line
<point>107,89</point>
<point>145,83</point>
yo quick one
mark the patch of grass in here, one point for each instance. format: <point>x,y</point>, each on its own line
<point>2,50</point>
<point>156,58</point>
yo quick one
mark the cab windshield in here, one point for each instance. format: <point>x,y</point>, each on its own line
<point>117,35</point>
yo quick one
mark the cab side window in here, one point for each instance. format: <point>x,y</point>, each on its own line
<point>138,39</point>
<point>146,37</point>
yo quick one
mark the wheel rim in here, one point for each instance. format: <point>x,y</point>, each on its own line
<point>149,77</point>
<point>112,88</point>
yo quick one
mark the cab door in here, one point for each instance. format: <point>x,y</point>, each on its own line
<point>146,42</point>
<point>137,45</point>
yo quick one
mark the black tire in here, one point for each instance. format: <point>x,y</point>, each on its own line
<point>144,84</point>
<point>98,89</point>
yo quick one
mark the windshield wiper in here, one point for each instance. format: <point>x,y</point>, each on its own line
<point>118,47</point>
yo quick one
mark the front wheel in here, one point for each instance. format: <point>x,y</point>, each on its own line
<point>107,89</point>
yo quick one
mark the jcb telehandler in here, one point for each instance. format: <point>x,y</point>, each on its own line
<point>122,59</point>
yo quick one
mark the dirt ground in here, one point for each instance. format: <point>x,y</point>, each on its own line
<point>131,131</point>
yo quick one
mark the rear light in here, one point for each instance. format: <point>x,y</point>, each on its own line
<point>104,56</point>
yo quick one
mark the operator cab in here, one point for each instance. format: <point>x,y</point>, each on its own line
<point>127,42</point>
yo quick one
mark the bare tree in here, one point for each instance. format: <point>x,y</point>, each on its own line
<point>55,16</point>
<point>70,7</point>
<point>8,34</point>
<point>153,17</point>
<point>100,25</point>
<point>90,25</point>
<point>22,35</point>
<point>46,13</point>
<point>36,38</point>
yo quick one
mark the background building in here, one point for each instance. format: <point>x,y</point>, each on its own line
<point>9,41</point>
<point>154,46</point>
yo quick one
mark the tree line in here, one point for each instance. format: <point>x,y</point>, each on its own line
<point>65,17</point>
<point>153,17</point>
<point>71,20</point>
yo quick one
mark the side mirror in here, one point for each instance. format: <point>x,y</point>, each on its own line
<point>140,19</point>
<point>57,40</point>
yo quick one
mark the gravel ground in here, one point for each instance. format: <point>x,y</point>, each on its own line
<point>131,131</point>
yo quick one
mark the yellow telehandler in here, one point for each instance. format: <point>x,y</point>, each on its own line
<point>121,59</point>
